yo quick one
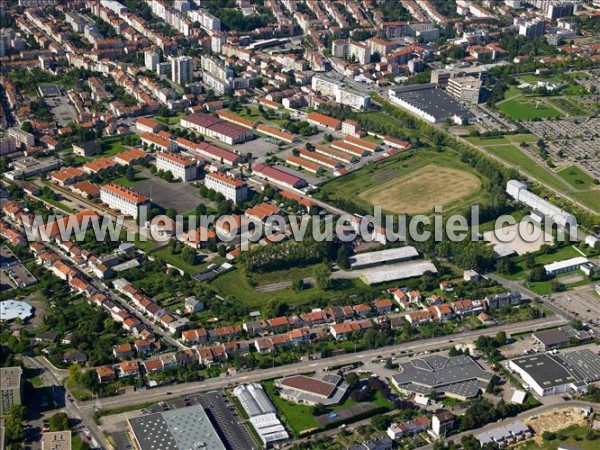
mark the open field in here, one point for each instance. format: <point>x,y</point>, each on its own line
<point>236,286</point>
<point>577,178</point>
<point>396,169</point>
<point>502,140</point>
<point>410,194</point>
<point>298,417</point>
<point>590,198</point>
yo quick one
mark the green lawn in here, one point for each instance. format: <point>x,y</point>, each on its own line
<point>373,139</point>
<point>124,181</point>
<point>590,198</point>
<point>559,255</point>
<point>166,256</point>
<point>525,108</point>
<point>298,417</point>
<point>577,178</point>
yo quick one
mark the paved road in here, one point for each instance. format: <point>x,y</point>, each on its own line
<point>535,411</point>
<point>53,377</point>
<point>160,393</point>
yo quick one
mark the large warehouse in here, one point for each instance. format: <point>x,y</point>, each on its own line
<point>432,103</point>
<point>549,374</point>
<point>175,430</point>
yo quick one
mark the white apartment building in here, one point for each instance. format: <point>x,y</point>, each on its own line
<point>22,137</point>
<point>519,192</point>
<point>151,59</point>
<point>216,67</point>
<point>125,200</point>
<point>206,19</point>
<point>359,51</point>
<point>181,167</point>
<point>531,28</point>
<point>341,93</point>
<point>232,189</point>
<point>182,69</point>
<point>219,86</point>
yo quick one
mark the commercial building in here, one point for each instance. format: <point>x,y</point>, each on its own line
<point>519,192</point>
<point>458,377</point>
<point>559,337</point>
<point>182,428</point>
<point>209,151</point>
<point>216,128</point>
<point>429,102</point>
<point>182,168</point>
<point>465,89</point>
<point>29,167</point>
<point>261,412</point>
<point>57,440</point>
<point>182,69</point>
<point>233,189</point>
<point>11,388</point>
<point>86,148</point>
<point>549,374</point>
<point>389,256</point>
<point>568,265</point>
<point>328,389</point>
<point>441,77</point>
<point>124,200</point>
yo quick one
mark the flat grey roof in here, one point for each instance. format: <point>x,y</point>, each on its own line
<point>382,256</point>
<point>10,377</point>
<point>432,100</point>
<point>398,271</point>
<point>545,370</point>
<point>459,375</point>
<point>177,429</point>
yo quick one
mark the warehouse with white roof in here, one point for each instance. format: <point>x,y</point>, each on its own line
<point>262,413</point>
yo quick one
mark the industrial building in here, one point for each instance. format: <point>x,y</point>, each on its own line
<point>400,271</point>
<point>389,256</point>
<point>11,388</point>
<point>559,337</point>
<point>505,435</point>
<point>519,192</point>
<point>216,128</point>
<point>29,167</point>
<point>431,103</point>
<point>182,428</point>
<point>567,265</point>
<point>458,377</point>
<point>261,412</point>
<point>549,374</point>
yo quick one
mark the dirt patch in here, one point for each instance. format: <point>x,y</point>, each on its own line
<point>555,421</point>
<point>385,175</point>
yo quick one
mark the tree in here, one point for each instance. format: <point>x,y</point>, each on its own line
<point>381,422</point>
<point>342,258</point>
<point>548,436</point>
<point>222,250</point>
<point>13,425</point>
<point>352,379</point>
<point>130,174</point>
<point>500,338</point>
<point>168,176</point>
<point>27,127</point>
<point>59,422</point>
<point>322,274</point>
<point>188,255</point>
<point>75,373</point>
<point>319,410</point>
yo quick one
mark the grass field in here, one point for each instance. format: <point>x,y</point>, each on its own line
<point>502,140</point>
<point>394,170</point>
<point>523,108</point>
<point>235,286</point>
<point>298,417</point>
<point>590,198</point>
<point>411,194</point>
<point>577,178</point>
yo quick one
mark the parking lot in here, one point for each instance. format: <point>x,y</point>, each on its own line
<point>582,302</point>
<point>61,109</point>
<point>182,197</point>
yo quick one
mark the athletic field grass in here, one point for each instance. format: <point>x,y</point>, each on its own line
<point>403,175</point>
<point>421,190</point>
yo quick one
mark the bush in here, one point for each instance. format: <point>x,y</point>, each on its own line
<point>548,436</point>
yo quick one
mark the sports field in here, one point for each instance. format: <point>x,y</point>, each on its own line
<point>421,190</point>
<point>412,182</point>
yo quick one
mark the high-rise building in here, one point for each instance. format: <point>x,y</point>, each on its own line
<point>151,59</point>
<point>11,388</point>
<point>182,69</point>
